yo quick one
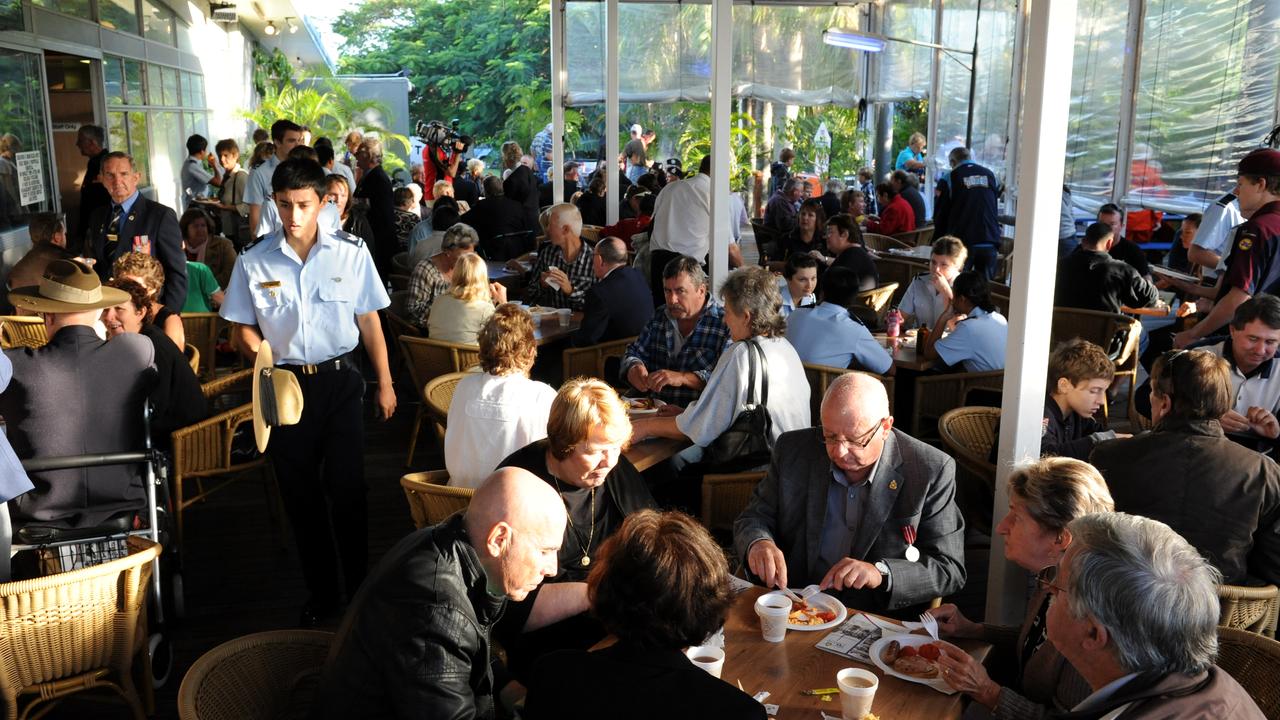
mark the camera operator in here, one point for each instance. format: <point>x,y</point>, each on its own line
<point>444,149</point>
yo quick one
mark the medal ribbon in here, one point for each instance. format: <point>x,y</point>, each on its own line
<point>909,534</point>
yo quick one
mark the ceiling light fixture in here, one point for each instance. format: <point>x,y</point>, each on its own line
<point>854,40</point>
<point>293,26</point>
<point>271,28</point>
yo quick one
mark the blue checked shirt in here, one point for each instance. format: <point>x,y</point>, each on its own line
<point>580,277</point>
<point>698,354</point>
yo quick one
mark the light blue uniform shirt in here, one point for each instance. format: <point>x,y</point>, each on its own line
<point>259,193</point>
<point>922,301</point>
<point>789,305</point>
<point>978,341</point>
<point>307,311</point>
<point>826,335</point>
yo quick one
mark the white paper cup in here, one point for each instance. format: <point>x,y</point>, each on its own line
<point>773,609</point>
<point>563,315</point>
<point>857,690</point>
<point>707,657</point>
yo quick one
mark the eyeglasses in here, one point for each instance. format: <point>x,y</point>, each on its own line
<point>837,441</point>
<point>1045,578</point>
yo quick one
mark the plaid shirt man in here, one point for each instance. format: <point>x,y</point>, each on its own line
<point>579,272</point>
<point>660,347</point>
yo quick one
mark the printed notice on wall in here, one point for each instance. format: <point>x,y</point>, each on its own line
<point>30,178</point>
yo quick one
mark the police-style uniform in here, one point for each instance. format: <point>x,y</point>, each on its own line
<point>978,342</point>
<point>922,300</point>
<point>307,311</point>
<point>1254,263</point>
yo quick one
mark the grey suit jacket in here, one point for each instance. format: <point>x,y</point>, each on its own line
<point>914,484</point>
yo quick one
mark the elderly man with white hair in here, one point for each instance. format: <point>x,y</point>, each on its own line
<point>562,272</point>
<point>376,189</point>
<point>858,507</point>
<point>415,642</point>
<point>1135,610</point>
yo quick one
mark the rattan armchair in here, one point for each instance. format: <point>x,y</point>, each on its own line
<point>820,378</point>
<point>1254,662</point>
<point>202,330</point>
<point>724,497</point>
<point>75,631</point>
<point>914,238</point>
<point>1254,609</point>
<point>589,361</point>
<point>428,359</point>
<point>236,381</point>
<point>203,452</point>
<point>438,396</point>
<point>936,394</point>
<point>877,300</point>
<point>1116,334</point>
<point>192,353</point>
<point>969,433</point>
<point>883,243</point>
<point>431,499</point>
<point>22,331</point>
<point>256,677</point>
<point>901,270</point>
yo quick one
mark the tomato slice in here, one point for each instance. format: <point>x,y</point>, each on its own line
<point>930,651</point>
<point>826,617</point>
<point>908,651</point>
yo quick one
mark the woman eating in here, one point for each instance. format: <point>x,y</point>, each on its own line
<point>1044,497</point>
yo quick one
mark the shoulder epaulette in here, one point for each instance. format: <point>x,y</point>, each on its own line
<point>250,245</point>
<point>345,236</point>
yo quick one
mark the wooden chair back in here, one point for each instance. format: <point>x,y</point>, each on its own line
<point>878,300</point>
<point>264,675</point>
<point>883,243</point>
<point>431,499</point>
<point>1254,662</point>
<point>428,359</point>
<point>589,361</point>
<point>724,497</point>
<point>202,330</point>
<point>75,631</point>
<point>22,331</point>
<point>1254,609</point>
<point>899,270</point>
<point>1118,335</point>
<point>820,378</point>
<point>917,237</point>
<point>936,394</point>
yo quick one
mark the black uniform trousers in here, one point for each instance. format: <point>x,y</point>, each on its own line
<point>319,465</point>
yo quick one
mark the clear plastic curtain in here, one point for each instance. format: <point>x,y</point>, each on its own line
<point>1096,83</point>
<point>905,70</point>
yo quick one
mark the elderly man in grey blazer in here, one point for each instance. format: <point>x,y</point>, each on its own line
<point>857,507</point>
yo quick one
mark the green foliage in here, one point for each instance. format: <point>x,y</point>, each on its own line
<point>270,69</point>
<point>467,60</point>
<point>695,141</point>
<point>530,110</point>
<point>911,116</point>
<point>847,139</point>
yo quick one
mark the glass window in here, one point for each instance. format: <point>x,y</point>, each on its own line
<point>138,145</point>
<point>168,149</point>
<point>119,15</point>
<point>187,86</point>
<point>157,22</point>
<point>198,123</point>
<point>75,8</point>
<point>25,173</point>
<point>10,15</point>
<point>133,82</point>
<point>169,79</point>
<point>153,86</point>
<point>185,41</point>
<point>113,77</point>
<point>117,130</point>
<point>197,90</point>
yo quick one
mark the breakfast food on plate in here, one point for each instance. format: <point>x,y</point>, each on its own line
<point>805,614</point>
<point>914,661</point>
<point>540,310</point>
<point>641,403</point>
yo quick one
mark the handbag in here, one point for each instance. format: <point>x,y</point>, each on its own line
<point>745,444</point>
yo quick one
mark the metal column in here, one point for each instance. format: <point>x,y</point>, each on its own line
<point>559,78</point>
<point>612,196</point>
<point>1128,100</point>
<point>721,89</point>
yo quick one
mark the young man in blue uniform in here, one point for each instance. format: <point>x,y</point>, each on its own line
<point>313,293</point>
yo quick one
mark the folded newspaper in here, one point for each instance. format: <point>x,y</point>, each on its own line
<point>852,639</point>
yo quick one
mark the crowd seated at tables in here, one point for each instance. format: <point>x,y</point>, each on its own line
<point>829,334</point>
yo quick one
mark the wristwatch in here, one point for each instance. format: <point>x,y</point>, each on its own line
<point>883,567</point>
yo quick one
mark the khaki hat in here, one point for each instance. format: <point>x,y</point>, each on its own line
<point>67,286</point>
<point>277,397</point>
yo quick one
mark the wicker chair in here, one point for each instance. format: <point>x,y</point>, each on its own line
<point>431,499</point>
<point>877,300</point>
<point>192,354</point>
<point>22,331</point>
<point>399,283</point>
<point>821,376</point>
<point>202,452</point>
<point>936,394</point>
<point>202,330</point>
<point>724,497</point>
<point>428,359</point>
<point>589,361</point>
<point>236,381</point>
<point>883,243</point>
<point>899,270</point>
<point>437,396</point>
<point>1117,334</point>
<point>969,433</point>
<point>400,263</point>
<point>1254,662</point>
<point>591,233</point>
<point>75,631</point>
<point>768,243</point>
<point>917,237</point>
<point>256,677</point>
<point>1254,609</point>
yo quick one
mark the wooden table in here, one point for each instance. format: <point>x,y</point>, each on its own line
<point>795,664</point>
<point>547,329</point>
<point>904,353</point>
<point>647,453</point>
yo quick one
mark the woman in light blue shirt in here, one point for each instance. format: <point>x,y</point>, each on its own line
<point>799,280</point>
<point>981,333</point>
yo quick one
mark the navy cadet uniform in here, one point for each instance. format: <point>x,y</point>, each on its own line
<point>1254,263</point>
<point>307,311</point>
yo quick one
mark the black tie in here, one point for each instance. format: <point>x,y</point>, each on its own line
<point>113,231</point>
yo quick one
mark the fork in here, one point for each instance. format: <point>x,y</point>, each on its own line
<point>930,624</point>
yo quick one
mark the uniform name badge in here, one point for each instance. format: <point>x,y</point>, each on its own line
<point>912,553</point>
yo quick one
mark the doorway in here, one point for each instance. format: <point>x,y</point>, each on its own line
<point>71,104</point>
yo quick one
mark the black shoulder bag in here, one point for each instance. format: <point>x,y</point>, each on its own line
<point>745,444</point>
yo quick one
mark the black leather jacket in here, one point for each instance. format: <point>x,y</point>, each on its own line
<point>415,642</point>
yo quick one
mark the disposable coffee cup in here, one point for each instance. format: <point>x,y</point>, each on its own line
<point>707,657</point>
<point>563,315</point>
<point>857,690</point>
<point>773,609</point>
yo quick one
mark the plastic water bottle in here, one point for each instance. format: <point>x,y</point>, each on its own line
<point>893,323</point>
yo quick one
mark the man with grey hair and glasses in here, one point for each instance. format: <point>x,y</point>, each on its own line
<point>1135,610</point>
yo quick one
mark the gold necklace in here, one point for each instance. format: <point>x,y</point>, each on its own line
<point>586,548</point>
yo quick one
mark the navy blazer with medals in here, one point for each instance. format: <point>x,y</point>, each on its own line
<point>160,224</point>
<point>914,484</point>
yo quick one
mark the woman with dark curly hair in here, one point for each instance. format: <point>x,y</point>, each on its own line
<point>661,585</point>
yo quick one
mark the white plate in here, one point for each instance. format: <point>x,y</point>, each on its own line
<point>937,683</point>
<point>633,410</point>
<point>823,601</point>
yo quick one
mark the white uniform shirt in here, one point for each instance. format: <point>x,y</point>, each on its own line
<point>1217,227</point>
<point>1261,388</point>
<point>491,417</point>
<point>682,217</point>
<point>259,193</point>
<point>922,300</point>
<point>307,311</point>
<point>978,341</point>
